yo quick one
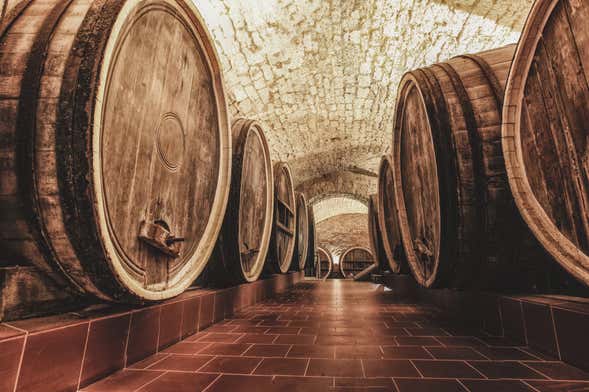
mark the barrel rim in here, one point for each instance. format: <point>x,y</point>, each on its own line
<point>241,128</point>
<point>329,258</point>
<point>198,260</point>
<point>302,260</point>
<point>386,162</point>
<point>284,265</point>
<point>408,82</point>
<point>343,256</point>
<point>557,244</point>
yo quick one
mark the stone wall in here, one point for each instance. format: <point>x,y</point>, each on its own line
<point>341,232</point>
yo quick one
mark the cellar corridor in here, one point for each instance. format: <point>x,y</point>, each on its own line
<point>343,335</point>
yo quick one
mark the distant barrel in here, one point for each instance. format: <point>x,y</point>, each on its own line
<point>302,233</point>
<point>355,260</point>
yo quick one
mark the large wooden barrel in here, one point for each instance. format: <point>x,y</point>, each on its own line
<point>245,235</point>
<point>9,11</point>
<point>324,263</point>
<point>375,236</point>
<point>285,216</point>
<point>115,154</point>
<point>457,219</point>
<point>387,218</point>
<point>302,233</point>
<point>545,130</point>
<point>355,260</point>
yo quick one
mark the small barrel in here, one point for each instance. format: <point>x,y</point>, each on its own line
<point>324,263</point>
<point>245,236</point>
<point>283,240</point>
<point>545,130</point>
<point>375,236</point>
<point>115,160</point>
<point>458,223</point>
<point>387,218</point>
<point>302,234</point>
<point>355,260</point>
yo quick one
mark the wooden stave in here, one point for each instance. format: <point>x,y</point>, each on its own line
<point>344,272</point>
<point>277,263</point>
<point>374,233</point>
<point>438,112</point>
<point>223,269</point>
<point>312,239</point>
<point>302,233</point>
<point>90,270</point>
<point>390,234</point>
<point>568,254</point>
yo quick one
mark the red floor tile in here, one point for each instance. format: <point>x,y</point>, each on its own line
<point>335,368</point>
<point>506,369</point>
<point>302,384</point>
<point>295,339</point>
<point>282,366</point>
<point>183,363</point>
<point>496,386</point>
<point>226,349</point>
<point>268,350</point>
<point>124,381</point>
<point>216,337</point>
<point>358,352</point>
<point>365,384</point>
<point>417,341</point>
<point>405,352</point>
<point>559,386</point>
<point>189,348</point>
<point>454,353</point>
<point>429,385</point>
<point>559,371</point>
<point>311,351</point>
<point>446,369</point>
<point>257,338</point>
<point>231,382</point>
<point>389,368</point>
<point>236,365</point>
<point>180,382</point>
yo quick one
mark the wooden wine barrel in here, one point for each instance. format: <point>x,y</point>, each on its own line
<point>302,233</point>
<point>387,218</point>
<point>354,261</point>
<point>245,235</point>
<point>456,215</point>
<point>375,235</point>
<point>324,262</point>
<point>9,11</point>
<point>545,130</point>
<point>312,247</point>
<point>285,215</point>
<point>116,145</point>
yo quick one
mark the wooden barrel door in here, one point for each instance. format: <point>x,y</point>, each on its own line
<point>302,234</point>
<point>283,235</point>
<point>245,236</point>
<point>354,261</point>
<point>387,218</point>
<point>456,215</point>
<point>545,134</point>
<point>117,177</point>
<point>374,234</point>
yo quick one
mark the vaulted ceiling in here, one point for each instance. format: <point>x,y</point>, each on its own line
<point>323,74</point>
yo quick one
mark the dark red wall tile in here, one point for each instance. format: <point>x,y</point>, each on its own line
<point>207,304</point>
<point>540,327</point>
<point>143,334</point>
<point>571,330</point>
<point>170,324</point>
<point>52,360</point>
<point>105,351</point>
<point>10,353</point>
<point>513,321</point>
<point>190,318</point>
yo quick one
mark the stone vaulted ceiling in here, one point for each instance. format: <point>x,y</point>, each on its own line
<point>323,74</point>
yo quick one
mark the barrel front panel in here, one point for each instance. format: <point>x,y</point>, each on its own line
<point>355,261</point>
<point>554,133</point>
<point>302,241</point>
<point>284,218</point>
<point>159,141</point>
<point>420,185</point>
<point>253,203</point>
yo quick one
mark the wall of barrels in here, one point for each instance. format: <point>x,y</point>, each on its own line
<point>122,176</point>
<point>487,184</point>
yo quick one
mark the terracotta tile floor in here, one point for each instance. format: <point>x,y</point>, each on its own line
<point>343,336</point>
